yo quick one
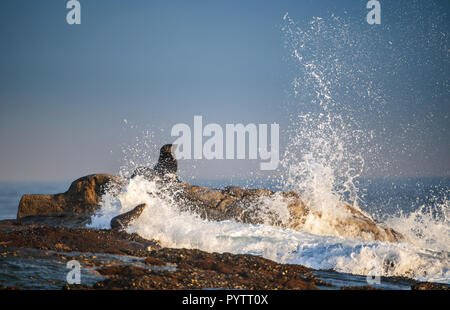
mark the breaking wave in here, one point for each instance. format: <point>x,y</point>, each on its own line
<point>162,220</point>
<point>329,143</point>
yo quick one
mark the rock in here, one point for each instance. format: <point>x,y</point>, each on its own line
<point>66,219</point>
<point>82,197</point>
<point>195,269</point>
<point>128,261</point>
<point>359,288</point>
<point>247,206</point>
<point>114,255</point>
<point>231,203</point>
<point>66,239</point>
<point>430,286</point>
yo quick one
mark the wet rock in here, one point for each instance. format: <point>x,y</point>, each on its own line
<point>160,268</point>
<point>430,286</point>
<point>196,269</point>
<point>9,288</point>
<point>76,287</point>
<point>248,206</point>
<point>127,261</point>
<point>65,239</point>
<point>57,219</point>
<point>359,288</point>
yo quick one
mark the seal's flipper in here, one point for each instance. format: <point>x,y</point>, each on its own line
<point>122,221</point>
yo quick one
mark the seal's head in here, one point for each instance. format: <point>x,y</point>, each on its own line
<point>167,149</point>
<point>167,162</point>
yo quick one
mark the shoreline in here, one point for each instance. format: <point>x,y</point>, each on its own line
<point>51,230</point>
<point>118,260</point>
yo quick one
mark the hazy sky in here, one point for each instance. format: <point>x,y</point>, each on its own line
<point>65,90</point>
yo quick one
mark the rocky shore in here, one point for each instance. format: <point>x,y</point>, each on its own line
<point>158,268</point>
<point>53,228</point>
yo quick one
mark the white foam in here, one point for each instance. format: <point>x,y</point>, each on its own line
<point>163,221</point>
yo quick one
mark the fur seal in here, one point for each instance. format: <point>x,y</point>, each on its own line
<point>122,221</point>
<point>167,164</point>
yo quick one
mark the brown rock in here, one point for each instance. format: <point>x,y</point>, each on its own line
<point>359,288</point>
<point>82,197</point>
<point>245,205</point>
<point>154,261</point>
<point>430,286</point>
<point>67,239</point>
<point>231,203</point>
<point>196,269</point>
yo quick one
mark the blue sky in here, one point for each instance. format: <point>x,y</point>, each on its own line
<point>65,90</point>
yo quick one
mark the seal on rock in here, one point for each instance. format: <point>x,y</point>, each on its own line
<point>167,164</point>
<point>122,221</point>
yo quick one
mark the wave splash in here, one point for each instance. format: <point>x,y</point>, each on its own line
<point>323,163</point>
<point>162,220</point>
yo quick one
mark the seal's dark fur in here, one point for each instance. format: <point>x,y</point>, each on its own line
<point>122,221</point>
<point>167,164</point>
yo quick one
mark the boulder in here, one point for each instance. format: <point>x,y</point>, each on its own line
<point>250,206</point>
<point>237,203</point>
<point>82,197</point>
<point>231,203</point>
